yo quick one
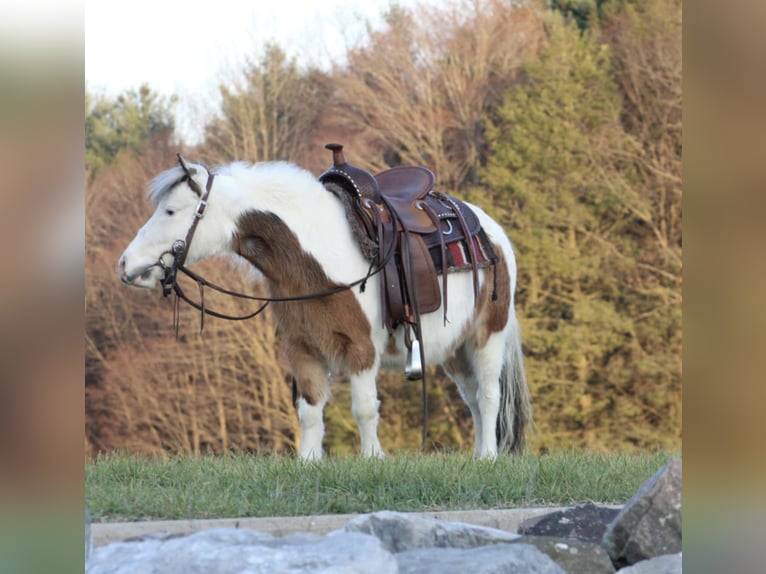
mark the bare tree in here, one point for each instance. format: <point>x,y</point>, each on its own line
<point>268,112</point>
<point>146,391</point>
<point>421,91</point>
<point>646,42</point>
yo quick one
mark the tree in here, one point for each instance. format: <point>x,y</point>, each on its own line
<point>268,113</point>
<point>602,343</point>
<point>146,390</point>
<point>125,123</point>
<point>420,91</point>
<point>646,43</point>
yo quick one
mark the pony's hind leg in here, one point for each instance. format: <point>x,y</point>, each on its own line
<point>458,368</point>
<point>365,404</point>
<point>487,366</point>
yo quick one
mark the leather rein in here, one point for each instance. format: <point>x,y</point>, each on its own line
<point>180,250</point>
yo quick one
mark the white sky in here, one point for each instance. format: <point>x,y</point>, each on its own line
<point>189,48</point>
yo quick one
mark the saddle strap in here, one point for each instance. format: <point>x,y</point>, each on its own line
<point>469,242</point>
<point>392,305</point>
<point>443,248</point>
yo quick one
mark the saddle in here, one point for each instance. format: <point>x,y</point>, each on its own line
<point>412,234</point>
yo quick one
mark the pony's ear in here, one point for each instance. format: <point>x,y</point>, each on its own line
<point>190,171</point>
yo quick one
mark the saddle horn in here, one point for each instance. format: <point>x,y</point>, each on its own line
<point>355,180</point>
<point>338,157</point>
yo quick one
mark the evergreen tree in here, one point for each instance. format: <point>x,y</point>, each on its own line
<point>561,173</point>
<point>125,123</point>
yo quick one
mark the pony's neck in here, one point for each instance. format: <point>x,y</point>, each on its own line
<point>282,215</point>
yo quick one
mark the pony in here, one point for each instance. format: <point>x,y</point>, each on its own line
<point>298,239</point>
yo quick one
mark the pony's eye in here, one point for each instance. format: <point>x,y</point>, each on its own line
<point>170,211</point>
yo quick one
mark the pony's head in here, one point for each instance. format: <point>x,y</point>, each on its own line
<point>178,195</point>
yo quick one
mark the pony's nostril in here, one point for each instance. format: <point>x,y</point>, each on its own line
<point>121,266</point>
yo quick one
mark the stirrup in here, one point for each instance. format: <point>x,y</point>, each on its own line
<point>413,370</point>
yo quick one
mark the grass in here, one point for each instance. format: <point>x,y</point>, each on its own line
<point>128,487</point>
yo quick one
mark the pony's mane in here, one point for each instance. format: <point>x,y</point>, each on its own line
<point>164,182</point>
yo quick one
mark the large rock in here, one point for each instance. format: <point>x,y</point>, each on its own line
<point>667,564</point>
<point>586,522</point>
<point>407,534</point>
<point>400,532</point>
<point>649,524</point>
<point>574,556</point>
<point>495,559</point>
<point>234,550</point>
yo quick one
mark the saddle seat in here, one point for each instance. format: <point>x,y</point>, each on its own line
<point>405,187</point>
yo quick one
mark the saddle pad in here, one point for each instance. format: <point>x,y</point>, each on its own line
<point>459,256</point>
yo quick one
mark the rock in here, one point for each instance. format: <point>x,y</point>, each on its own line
<point>234,550</point>
<point>400,532</point>
<point>405,533</point>
<point>586,522</point>
<point>574,556</point>
<point>666,564</point>
<point>649,524</point>
<point>494,559</point>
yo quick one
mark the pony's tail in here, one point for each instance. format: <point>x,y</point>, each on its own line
<point>515,416</point>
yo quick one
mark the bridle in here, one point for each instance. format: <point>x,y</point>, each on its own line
<point>180,249</point>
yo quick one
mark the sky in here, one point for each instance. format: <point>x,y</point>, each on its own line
<point>189,48</point>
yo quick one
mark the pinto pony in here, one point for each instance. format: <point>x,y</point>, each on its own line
<point>286,223</point>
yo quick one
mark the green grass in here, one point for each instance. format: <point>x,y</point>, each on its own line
<point>127,487</point>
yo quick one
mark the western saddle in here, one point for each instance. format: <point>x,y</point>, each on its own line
<point>410,233</point>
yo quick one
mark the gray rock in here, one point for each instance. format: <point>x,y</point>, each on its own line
<point>574,556</point>
<point>401,532</point>
<point>666,564</point>
<point>233,550</point>
<point>649,524</point>
<point>494,559</point>
<point>585,522</point>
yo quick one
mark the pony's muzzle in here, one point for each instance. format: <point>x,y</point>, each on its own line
<point>145,276</point>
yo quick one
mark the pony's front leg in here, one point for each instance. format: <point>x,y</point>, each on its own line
<point>311,389</point>
<point>312,428</point>
<point>364,405</point>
